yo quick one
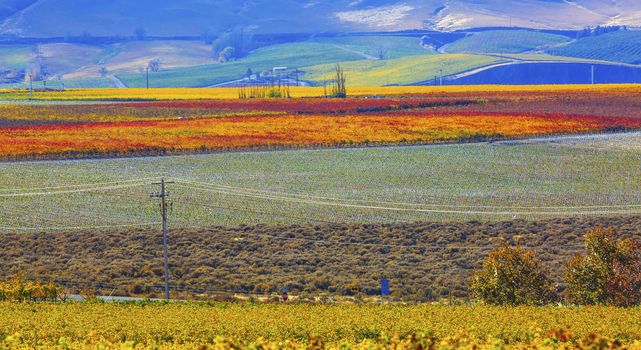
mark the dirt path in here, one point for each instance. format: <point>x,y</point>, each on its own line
<point>569,139</point>
<point>119,84</point>
<point>360,53</point>
<point>233,83</point>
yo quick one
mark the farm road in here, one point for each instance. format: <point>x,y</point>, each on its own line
<point>360,53</point>
<point>119,84</point>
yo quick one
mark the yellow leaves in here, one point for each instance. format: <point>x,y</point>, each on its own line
<point>18,289</point>
<point>304,326</point>
<point>301,91</point>
<point>14,339</point>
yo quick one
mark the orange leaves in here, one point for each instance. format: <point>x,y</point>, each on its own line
<point>285,131</point>
<point>450,115</point>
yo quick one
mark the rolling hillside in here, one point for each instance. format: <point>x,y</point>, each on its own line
<point>134,56</point>
<point>504,41</point>
<point>401,71</point>
<point>375,46</point>
<point>9,8</point>
<point>289,55</point>
<point>624,46</point>
<point>292,55</point>
<point>368,59</point>
<point>192,63</point>
<point>15,56</point>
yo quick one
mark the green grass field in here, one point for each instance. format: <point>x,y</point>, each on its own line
<point>288,55</point>
<point>78,83</point>
<point>62,58</point>
<point>391,46</point>
<point>406,62</point>
<point>542,57</point>
<point>79,62</point>
<point>429,183</point>
<point>401,71</point>
<point>504,41</point>
<point>624,46</point>
<point>187,64</point>
<point>15,56</point>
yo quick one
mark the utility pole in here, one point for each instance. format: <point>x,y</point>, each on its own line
<point>592,75</point>
<point>147,70</point>
<point>162,195</point>
<point>30,87</point>
<point>441,77</point>
<point>297,83</point>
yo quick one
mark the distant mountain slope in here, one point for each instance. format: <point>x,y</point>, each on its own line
<point>46,18</point>
<point>619,47</point>
<point>9,8</point>
<point>544,14</point>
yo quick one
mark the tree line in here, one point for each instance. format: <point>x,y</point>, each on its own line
<point>599,30</point>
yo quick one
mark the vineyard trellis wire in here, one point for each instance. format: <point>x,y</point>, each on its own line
<point>270,195</point>
<point>299,200</point>
<point>311,200</point>
<point>106,189</point>
<point>434,184</point>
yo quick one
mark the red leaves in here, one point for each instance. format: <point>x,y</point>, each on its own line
<point>304,105</point>
<point>220,125</point>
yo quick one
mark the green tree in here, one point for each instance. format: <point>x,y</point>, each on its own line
<point>608,273</point>
<point>154,65</point>
<point>512,276</point>
<point>140,33</point>
<point>226,54</point>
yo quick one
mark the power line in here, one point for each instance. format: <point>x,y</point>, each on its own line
<point>82,190</point>
<point>399,209</point>
<point>162,195</point>
<point>74,228</point>
<point>72,186</point>
<point>297,195</point>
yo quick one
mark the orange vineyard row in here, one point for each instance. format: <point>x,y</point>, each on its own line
<point>243,132</point>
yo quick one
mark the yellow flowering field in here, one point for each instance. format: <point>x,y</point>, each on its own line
<point>279,326</point>
<point>296,92</point>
